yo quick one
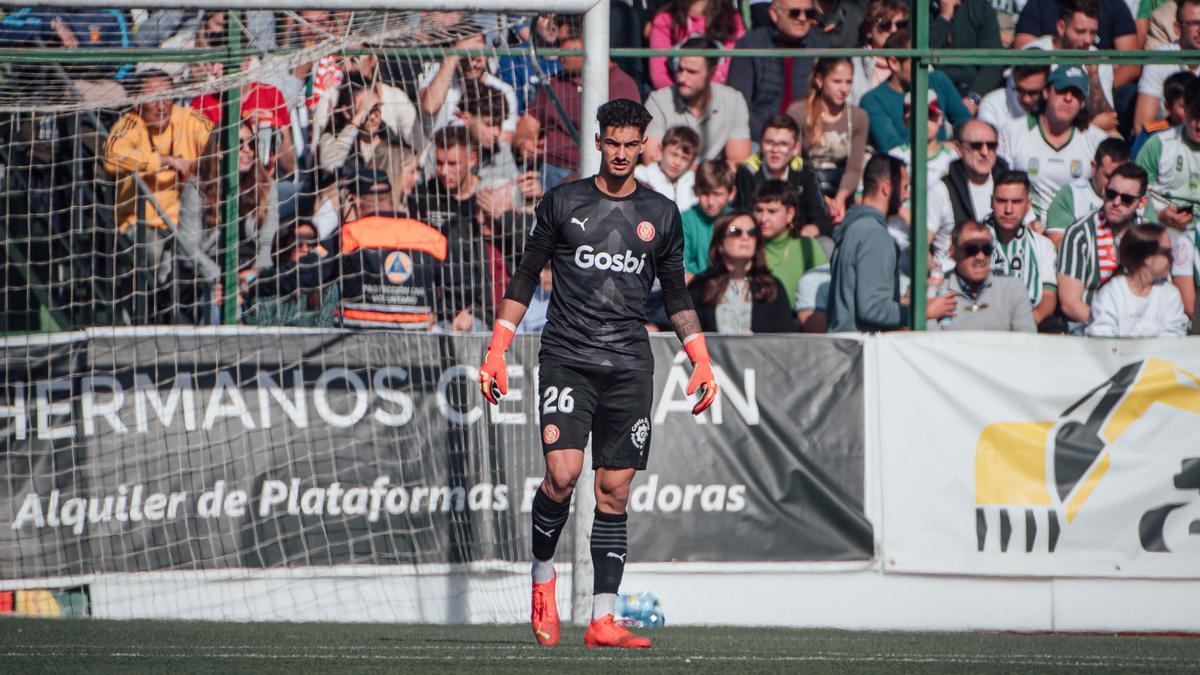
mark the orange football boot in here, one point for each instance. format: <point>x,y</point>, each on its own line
<point>545,612</point>
<point>606,632</point>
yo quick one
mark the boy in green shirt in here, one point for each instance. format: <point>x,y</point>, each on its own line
<point>715,189</point>
<point>789,255</point>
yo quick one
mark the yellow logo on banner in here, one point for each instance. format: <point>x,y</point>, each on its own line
<point>1056,465</point>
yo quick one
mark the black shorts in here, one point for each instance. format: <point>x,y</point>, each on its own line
<point>611,405</point>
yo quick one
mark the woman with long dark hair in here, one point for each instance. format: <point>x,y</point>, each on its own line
<point>738,294</point>
<point>681,19</point>
<point>1139,301</point>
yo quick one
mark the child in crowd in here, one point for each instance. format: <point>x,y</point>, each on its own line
<point>673,175</point>
<point>715,190</point>
<point>1173,103</point>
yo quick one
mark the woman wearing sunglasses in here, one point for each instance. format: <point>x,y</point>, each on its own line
<point>1138,301</point>
<point>738,294</point>
<point>882,19</point>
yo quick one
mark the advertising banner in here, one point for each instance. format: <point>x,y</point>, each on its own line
<point>217,449</point>
<point>1007,454</point>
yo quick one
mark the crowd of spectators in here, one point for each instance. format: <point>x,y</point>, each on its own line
<point>396,191</point>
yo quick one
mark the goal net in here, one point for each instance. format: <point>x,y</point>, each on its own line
<point>191,203</point>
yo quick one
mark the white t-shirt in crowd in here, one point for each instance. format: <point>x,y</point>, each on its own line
<point>1024,147</point>
<point>1000,106</point>
<point>448,113</point>
<point>1155,75</point>
<point>681,192</point>
<point>1117,312</point>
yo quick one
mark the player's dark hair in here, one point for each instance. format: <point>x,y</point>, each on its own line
<point>623,112</point>
<point>961,227</point>
<point>449,137</point>
<point>714,174</point>
<point>1069,8</point>
<point>715,280</point>
<point>1133,172</point>
<point>1115,149</point>
<point>685,137</point>
<point>1175,85</point>
<point>1191,98</point>
<point>1137,245</point>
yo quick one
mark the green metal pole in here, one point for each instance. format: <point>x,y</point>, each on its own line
<point>231,118</point>
<point>918,243</point>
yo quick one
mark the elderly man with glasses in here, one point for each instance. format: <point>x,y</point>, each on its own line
<point>770,85</point>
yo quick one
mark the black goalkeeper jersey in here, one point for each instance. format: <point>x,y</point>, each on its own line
<point>605,253</point>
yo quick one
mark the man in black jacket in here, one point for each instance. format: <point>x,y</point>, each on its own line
<point>965,192</point>
<point>770,85</point>
<point>780,160</point>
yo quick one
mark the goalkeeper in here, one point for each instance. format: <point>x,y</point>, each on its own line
<point>606,238</point>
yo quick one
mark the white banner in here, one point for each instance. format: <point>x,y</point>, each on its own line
<point>1008,454</point>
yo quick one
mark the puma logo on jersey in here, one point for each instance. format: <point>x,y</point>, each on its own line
<point>586,258</point>
<point>581,223</point>
<point>548,533</point>
<point>620,556</point>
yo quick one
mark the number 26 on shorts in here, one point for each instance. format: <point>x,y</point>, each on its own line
<point>554,400</point>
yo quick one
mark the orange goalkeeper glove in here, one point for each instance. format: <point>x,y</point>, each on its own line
<point>702,374</point>
<point>493,374</point>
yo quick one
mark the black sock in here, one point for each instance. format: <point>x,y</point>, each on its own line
<point>549,517</point>
<point>610,544</point>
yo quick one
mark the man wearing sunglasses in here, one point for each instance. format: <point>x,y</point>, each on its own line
<point>965,191</point>
<point>1077,201</point>
<point>982,300</point>
<point>1088,256</point>
<point>770,85</point>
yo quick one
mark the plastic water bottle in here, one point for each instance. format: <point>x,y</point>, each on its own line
<point>937,288</point>
<point>640,610</point>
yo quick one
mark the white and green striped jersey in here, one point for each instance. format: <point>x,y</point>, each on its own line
<point>1185,261</point>
<point>1024,147</point>
<point>1173,164</point>
<point>1073,203</point>
<point>1030,257</point>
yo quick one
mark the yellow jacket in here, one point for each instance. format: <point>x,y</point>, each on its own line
<point>132,149</point>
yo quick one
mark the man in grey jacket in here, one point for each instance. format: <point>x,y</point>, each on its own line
<point>982,300</point>
<point>864,288</point>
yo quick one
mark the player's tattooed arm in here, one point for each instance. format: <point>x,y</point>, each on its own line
<point>685,322</point>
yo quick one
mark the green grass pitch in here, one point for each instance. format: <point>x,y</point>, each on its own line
<point>96,646</point>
